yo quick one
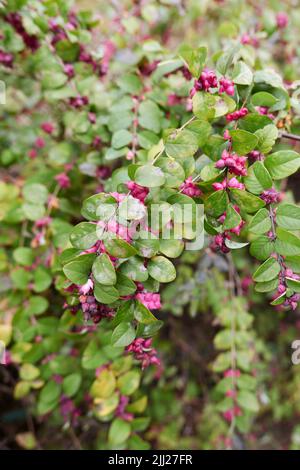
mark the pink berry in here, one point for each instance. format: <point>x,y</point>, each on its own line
<point>282,20</point>
<point>47,127</point>
<point>226,86</point>
<point>190,188</point>
<point>63,180</point>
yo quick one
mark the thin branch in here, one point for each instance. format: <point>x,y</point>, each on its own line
<point>273,229</point>
<point>286,135</point>
<point>75,440</point>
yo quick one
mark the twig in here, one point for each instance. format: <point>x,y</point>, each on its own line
<point>274,236</point>
<point>185,124</point>
<point>286,135</point>
<point>158,155</point>
<point>75,440</point>
<point>234,291</point>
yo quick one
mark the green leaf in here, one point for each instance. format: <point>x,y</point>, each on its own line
<point>266,138</point>
<point>222,362</point>
<point>150,116</point>
<point>93,356</point>
<point>279,300</point>
<point>124,313</point>
<point>104,271</point>
<point>247,401</point>
<point>147,139</point>
<point>223,105</point>
<point>258,178</point>
<point>261,222</point>
<point>227,29</point>
<point>253,122</point>
<point>267,271</point>
<point>283,100</point>
<point>134,269</point>
<point>161,269</point>
<point>105,384</point>
<point>69,254</point>
<point>119,248</point>
<point>60,154</point>
<point>142,314</point>
<point>204,105</point>
<point>50,392</point>
<point>22,389</point>
<point>130,83</point>
<point>129,382</point>
<point>268,76</point>
<point>125,286</point>
<point>166,67</point>
<point>149,176</point>
<point>263,98</point>
<point>247,201</point>
<point>78,270</point>
<point>226,59</point>
<point>107,406</point>
<point>181,144</point>
<point>209,174</point>
<point>223,339</point>
<point>137,443</point>
<point>293,284</point>
<point>243,141</point>
<point>140,424</point>
<point>42,279</point>
<point>24,256</point>
<point>242,75</point>
<point>149,330</point>
<point>67,50</point>
<point>194,58</point>
<point>105,294</point>
<point>123,335</point>
<point>119,431</point>
<point>121,138</point>
<point>287,244</point>
<point>207,106</point>
<point>131,169</point>
<point>132,209</point>
<point>173,171</point>
<point>20,278</point>
<point>33,211</point>
<point>216,203</point>
<point>29,372</point>
<point>84,235</point>
<point>171,248</point>
<point>288,216</point>
<point>262,248</point>
<point>53,80</point>
<point>36,305</point>
<point>71,384</point>
<point>232,219</point>
<point>293,262</point>
<point>233,245</point>
<point>99,207</point>
<point>35,193</point>
<point>146,244</point>
<point>282,164</point>
<point>181,199</point>
<point>267,286</point>
<point>202,130</point>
